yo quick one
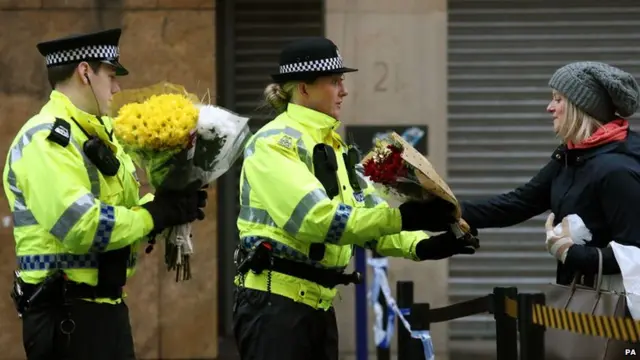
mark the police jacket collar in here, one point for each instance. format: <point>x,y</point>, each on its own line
<point>60,105</point>
<point>323,124</point>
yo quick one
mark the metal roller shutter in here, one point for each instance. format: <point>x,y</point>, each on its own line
<point>257,31</point>
<point>501,55</point>
<point>262,29</point>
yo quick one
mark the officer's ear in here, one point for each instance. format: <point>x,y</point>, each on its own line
<point>303,89</point>
<point>83,70</point>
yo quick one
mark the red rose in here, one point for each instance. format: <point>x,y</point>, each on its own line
<point>389,170</point>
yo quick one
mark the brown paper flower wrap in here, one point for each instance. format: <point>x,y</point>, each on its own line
<point>399,171</point>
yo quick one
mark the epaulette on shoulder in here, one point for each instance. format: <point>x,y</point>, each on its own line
<point>60,132</point>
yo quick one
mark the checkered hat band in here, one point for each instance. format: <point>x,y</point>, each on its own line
<point>313,65</point>
<point>83,53</point>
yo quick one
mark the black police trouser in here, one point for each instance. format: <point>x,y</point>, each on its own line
<point>284,330</point>
<point>102,331</point>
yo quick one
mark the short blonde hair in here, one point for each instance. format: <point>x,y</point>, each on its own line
<point>577,126</point>
<point>279,96</point>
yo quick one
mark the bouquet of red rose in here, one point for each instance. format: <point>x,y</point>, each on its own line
<point>399,172</point>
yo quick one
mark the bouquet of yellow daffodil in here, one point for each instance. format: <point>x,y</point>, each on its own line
<point>182,144</point>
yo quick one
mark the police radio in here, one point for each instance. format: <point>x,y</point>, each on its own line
<point>99,153</point>
<point>325,168</point>
<point>101,156</point>
<point>351,159</point>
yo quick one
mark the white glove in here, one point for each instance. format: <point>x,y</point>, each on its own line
<point>559,240</point>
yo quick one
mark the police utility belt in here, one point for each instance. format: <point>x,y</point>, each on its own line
<point>261,258</point>
<point>56,290</point>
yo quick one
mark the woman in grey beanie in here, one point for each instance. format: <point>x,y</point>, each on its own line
<point>590,102</point>
<point>594,174</point>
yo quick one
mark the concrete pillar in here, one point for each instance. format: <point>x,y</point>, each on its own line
<point>400,48</point>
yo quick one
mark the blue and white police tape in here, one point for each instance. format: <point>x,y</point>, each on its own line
<point>383,337</point>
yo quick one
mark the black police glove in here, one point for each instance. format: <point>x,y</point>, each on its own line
<point>176,208</point>
<point>430,215</point>
<point>442,246</point>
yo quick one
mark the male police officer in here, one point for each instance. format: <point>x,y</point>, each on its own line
<point>78,218</point>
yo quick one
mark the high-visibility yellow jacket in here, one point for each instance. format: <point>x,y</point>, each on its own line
<point>65,212</point>
<point>283,201</point>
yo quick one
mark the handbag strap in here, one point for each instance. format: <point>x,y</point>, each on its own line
<point>598,284</point>
<point>598,287</point>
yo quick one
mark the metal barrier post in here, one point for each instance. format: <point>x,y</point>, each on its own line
<point>506,326</point>
<point>531,335</point>
<point>408,348</point>
<point>420,316</point>
<point>420,321</point>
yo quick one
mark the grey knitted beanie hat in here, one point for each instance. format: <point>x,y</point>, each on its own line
<point>598,89</point>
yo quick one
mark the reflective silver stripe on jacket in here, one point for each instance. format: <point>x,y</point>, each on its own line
<point>65,261</point>
<point>362,179</point>
<point>22,216</point>
<point>261,216</point>
<point>92,170</point>
<point>310,200</point>
<point>371,200</point>
<point>71,216</point>
<point>251,214</point>
<point>79,208</point>
<point>283,251</point>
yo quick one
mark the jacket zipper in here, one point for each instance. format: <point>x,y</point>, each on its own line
<point>573,179</point>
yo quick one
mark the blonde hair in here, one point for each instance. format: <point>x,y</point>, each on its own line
<point>278,97</point>
<point>577,126</point>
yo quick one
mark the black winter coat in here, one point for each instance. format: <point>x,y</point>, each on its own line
<point>601,185</point>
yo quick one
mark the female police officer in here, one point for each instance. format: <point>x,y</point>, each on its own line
<point>303,207</point>
<point>77,215</point>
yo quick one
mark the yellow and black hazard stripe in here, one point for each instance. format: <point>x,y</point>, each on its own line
<point>511,307</point>
<point>619,328</point>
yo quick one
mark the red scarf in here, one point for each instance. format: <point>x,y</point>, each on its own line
<point>615,130</point>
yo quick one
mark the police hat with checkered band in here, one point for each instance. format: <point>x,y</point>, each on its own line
<point>309,58</point>
<point>99,46</point>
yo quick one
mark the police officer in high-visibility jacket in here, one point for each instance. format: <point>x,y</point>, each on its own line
<point>78,219</point>
<point>304,206</point>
